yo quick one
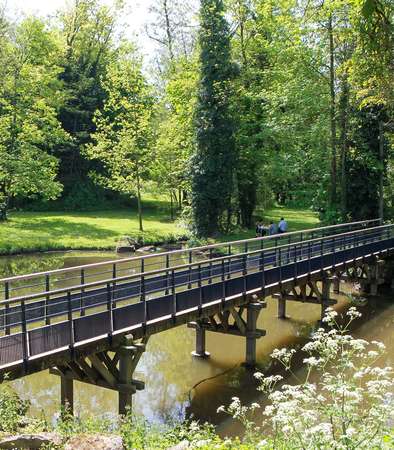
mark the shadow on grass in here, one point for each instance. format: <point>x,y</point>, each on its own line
<point>61,228</point>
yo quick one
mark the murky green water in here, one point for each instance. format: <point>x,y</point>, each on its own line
<point>178,385</point>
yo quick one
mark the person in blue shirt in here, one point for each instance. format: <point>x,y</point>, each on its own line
<point>282,226</point>
<point>272,229</point>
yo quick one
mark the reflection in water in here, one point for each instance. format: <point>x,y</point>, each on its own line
<point>177,384</point>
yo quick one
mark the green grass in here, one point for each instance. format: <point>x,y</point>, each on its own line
<point>100,230</point>
<point>39,231</point>
<point>297,218</point>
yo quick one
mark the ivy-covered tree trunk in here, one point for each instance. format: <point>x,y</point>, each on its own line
<point>365,166</point>
<point>343,119</point>
<point>213,162</point>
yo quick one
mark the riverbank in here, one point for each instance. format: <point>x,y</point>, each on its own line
<point>27,232</point>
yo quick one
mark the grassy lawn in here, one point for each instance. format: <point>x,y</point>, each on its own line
<point>28,231</point>
<point>297,218</point>
<point>39,231</point>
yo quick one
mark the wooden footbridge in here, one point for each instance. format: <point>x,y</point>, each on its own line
<point>92,323</point>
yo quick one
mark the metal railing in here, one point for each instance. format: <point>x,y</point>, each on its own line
<point>48,281</point>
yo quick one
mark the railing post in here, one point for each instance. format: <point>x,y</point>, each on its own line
<point>25,337</point>
<point>262,274</point>
<point>199,290</point>
<point>244,273</point>
<point>321,253</point>
<point>46,307</point>
<point>333,252</point>
<point>280,265</point>
<point>210,266</point>
<point>70,321</point>
<point>110,309</point>
<point>173,295</point>
<point>167,273</point>
<point>142,298</point>
<point>190,269</point>
<point>81,304</point>
<point>223,284</point>
<point>261,267</point>
<point>7,308</point>
<point>295,262</point>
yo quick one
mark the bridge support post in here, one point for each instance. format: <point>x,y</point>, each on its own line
<point>373,278</point>
<point>281,306</point>
<point>336,281</point>
<point>252,314</point>
<point>325,295</point>
<point>67,395</point>
<point>125,377</point>
<point>200,351</point>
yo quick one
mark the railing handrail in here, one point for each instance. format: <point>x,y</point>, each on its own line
<point>173,252</point>
<point>182,266</point>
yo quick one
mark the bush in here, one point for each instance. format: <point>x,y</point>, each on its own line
<point>12,409</point>
<point>348,407</point>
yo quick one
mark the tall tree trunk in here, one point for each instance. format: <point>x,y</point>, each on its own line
<point>381,177</point>
<point>4,206</point>
<point>333,184</point>
<point>168,30</point>
<point>172,205</point>
<point>344,106</point>
<point>139,201</point>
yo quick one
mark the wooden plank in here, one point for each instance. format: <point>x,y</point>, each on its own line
<point>238,320</point>
<point>90,372</point>
<point>232,329</point>
<point>103,370</point>
<point>76,370</point>
<point>293,298</point>
<point>108,363</point>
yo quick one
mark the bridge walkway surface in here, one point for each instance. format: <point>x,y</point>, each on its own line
<point>70,320</point>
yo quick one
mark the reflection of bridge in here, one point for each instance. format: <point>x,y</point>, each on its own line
<point>91,323</point>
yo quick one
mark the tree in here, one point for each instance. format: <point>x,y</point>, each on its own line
<point>123,139</point>
<point>213,162</point>
<point>29,128</point>
<point>175,132</point>
<point>248,105</point>
<point>171,27</point>
<point>87,30</point>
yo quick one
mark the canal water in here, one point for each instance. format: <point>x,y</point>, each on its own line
<point>178,385</point>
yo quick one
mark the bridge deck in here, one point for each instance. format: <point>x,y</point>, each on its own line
<point>43,325</point>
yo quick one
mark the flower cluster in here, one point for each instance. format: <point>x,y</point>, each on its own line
<point>345,400</point>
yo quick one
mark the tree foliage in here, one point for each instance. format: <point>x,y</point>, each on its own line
<point>122,141</point>
<point>287,101</point>
<point>212,165</point>
<point>29,128</point>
